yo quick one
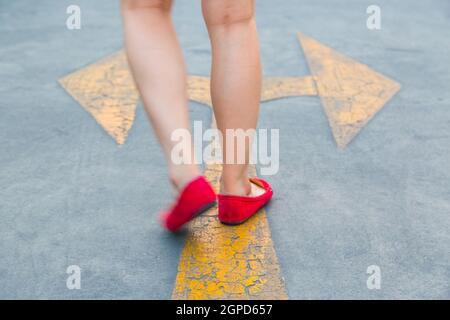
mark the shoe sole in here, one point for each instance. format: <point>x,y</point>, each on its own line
<point>236,223</point>
<point>233,224</point>
<point>203,209</point>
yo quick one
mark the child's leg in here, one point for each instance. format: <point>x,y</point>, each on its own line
<point>235,77</point>
<point>158,68</point>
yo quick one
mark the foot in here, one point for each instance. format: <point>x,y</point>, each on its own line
<point>236,209</point>
<point>196,197</point>
<point>256,190</point>
<point>241,188</point>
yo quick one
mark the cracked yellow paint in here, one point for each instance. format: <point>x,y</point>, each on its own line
<point>199,90</point>
<point>107,91</point>
<point>351,92</point>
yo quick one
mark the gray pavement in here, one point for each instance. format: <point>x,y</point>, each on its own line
<point>69,195</point>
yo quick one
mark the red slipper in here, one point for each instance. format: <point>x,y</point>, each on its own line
<point>235,210</point>
<point>195,198</point>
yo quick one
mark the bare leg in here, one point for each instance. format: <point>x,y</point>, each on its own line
<point>158,68</point>
<point>235,78</point>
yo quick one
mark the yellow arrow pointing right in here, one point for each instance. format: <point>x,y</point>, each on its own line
<point>351,92</point>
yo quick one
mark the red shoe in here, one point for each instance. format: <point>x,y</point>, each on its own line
<point>234,210</point>
<point>195,198</point>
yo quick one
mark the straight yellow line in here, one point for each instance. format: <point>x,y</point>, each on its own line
<point>228,262</point>
<point>223,262</point>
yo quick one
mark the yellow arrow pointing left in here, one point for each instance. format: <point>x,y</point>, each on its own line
<point>107,91</point>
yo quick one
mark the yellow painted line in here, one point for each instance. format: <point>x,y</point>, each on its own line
<point>239,262</point>
<point>228,262</point>
<point>220,262</point>
<point>272,88</point>
<point>282,87</point>
<point>223,262</point>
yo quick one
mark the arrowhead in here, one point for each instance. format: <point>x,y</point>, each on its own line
<point>351,92</point>
<point>107,91</point>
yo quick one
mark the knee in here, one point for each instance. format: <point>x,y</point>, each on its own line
<point>160,5</point>
<point>227,12</point>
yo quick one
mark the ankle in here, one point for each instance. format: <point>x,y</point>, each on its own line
<point>238,187</point>
<point>181,175</point>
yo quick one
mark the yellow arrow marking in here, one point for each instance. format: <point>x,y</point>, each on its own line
<point>351,92</point>
<point>240,262</point>
<point>272,88</point>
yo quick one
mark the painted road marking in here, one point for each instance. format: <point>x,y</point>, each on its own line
<point>223,262</point>
<point>351,93</point>
<point>220,262</point>
<point>106,90</point>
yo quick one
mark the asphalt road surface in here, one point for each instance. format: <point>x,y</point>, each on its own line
<point>69,195</point>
